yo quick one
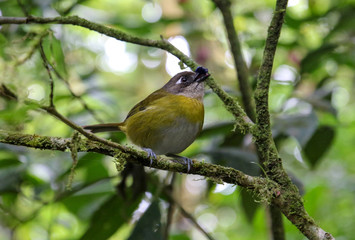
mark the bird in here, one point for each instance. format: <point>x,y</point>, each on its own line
<point>168,120</point>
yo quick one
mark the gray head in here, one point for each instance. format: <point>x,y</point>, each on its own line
<point>189,84</point>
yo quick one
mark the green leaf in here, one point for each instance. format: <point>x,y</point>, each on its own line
<point>322,97</point>
<point>344,24</point>
<point>53,49</point>
<point>3,42</point>
<point>300,126</point>
<point>315,58</point>
<point>319,144</point>
<point>149,225</point>
<point>84,205</point>
<point>244,161</point>
<point>8,159</point>
<point>295,180</point>
<point>12,172</point>
<point>112,214</point>
<point>91,165</point>
<point>218,128</point>
<point>249,205</point>
<point>233,139</point>
<point>15,114</point>
<point>11,178</point>
<point>179,237</point>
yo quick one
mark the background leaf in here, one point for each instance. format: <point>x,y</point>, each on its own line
<point>149,225</point>
<point>244,161</point>
<point>112,214</point>
<point>319,144</point>
<point>249,204</point>
<point>300,126</point>
<point>54,52</point>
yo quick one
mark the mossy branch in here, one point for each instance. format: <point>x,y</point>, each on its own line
<point>267,189</point>
<point>224,6</point>
<point>264,137</point>
<point>220,173</point>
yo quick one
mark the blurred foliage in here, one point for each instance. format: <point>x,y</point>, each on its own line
<point>312,104</point>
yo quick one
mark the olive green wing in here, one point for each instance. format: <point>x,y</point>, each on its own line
<point>148,101</point>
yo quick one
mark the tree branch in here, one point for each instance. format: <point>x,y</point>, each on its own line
<point>264,77</point>
<point>78,97</point>
<point>240,65</point>
<point>46,66</point>
<point>293,207</point>
<point>192,219</point>
<point>224,6</point>
<point>215,172</point>
<point>266,189</point>
<point>168,190</point>
<point>277,226</point>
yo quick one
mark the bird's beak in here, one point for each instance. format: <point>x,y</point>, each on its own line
<point>201,74</point>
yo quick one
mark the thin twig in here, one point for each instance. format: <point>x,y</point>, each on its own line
<point>53,111</point>
<point>170,213</point>
<point>237,54</point>
<point>29,54</point>
<point>34,47</point>
<point>23,8</point>
<point>78,97</point>
<point>74,155</point>
<point>89,135</point>
<point>277,226</point>
<point>5,92</point>
<point>47,67</point>
<point>188,215</point>
<point>248,100</point>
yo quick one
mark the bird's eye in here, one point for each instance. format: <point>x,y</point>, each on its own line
<point>182,79</point>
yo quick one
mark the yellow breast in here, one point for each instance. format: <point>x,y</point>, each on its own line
<point>168,125</point>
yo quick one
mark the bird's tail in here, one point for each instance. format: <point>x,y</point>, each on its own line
<point>105,127</point>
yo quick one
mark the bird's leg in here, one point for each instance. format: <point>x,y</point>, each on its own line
<point>186,161</point>
<point>152,156</point>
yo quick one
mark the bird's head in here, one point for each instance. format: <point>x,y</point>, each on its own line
<point>189,84</point>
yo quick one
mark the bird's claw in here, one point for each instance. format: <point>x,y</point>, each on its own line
<point>185,160</point>
<point>151,155</point>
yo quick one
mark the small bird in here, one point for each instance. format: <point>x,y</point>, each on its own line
<point>168,120</point>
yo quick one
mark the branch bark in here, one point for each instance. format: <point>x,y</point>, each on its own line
<point>240,65</point>
<point>263,81</point>
<point>276,222</point>
<point>266,189</point>
<point>212,171</point>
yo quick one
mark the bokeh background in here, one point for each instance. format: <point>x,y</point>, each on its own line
<point>98,79</point>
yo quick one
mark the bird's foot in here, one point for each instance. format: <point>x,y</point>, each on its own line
<point>152,156</point>
<point>183,160</point>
